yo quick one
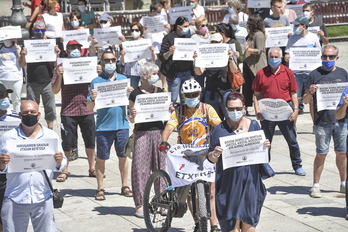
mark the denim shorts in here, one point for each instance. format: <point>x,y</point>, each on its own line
<point>323,133</point>
<point>105,139</point>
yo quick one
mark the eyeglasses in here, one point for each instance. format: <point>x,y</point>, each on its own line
<point>42,30</point>
<point>113,60</point>
<point>240,108</point>
<point>204,25</point>
<point>191,95</point>
<point>137,30</point>
<point>102,22</point>
<point>331,57</point>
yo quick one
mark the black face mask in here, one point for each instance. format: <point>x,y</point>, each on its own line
<point>30,120</point>
<point>38,34</point>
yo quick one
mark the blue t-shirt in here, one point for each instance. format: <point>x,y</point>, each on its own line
<point>114,118</point>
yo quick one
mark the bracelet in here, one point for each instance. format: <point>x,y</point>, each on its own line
<point>216,157</point>
<point>295,108</point>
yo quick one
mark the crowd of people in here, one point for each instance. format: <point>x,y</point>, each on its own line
<point>204,106</point>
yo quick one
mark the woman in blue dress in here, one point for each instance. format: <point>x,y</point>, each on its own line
<point>240,192</point>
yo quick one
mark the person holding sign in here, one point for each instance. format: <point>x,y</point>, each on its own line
<point>240,192</point>
<point>112,127</point>
<point>87,16</point>
<point>325,123</point>
<point>28,194</point>
<point>276,81</point>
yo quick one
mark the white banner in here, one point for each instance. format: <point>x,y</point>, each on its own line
<point>40,50</point>
<point>79,70</point>
<point>31,154</point>
<point>7,125</point>
<point>113,93</point>
<point>212,55</point>
<point>277,36</point>
<point>10,32</point>
<point>154,24</point>
<point>184,48</point>
<point>244,149</point>
<point>328,95</point>
<point>80,36</point>
<point>306,59</point>
<point>275,109</point>
<point>107,36</point>
<point>183,11</point>
<point>259,4</point>
<point>188,163</point>
<point>137,50</point>
<point>152,107</point>
<point>242,41</point>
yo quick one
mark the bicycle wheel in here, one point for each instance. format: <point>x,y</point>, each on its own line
<point>157,202</point>
<point>202,207</point>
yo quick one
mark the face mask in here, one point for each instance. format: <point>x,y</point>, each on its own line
<point>328,65</point>
<point>8,43</point>
<point>110,68</point>
<point>274,63</point>
<point>75,53</point>
<point>191,102</point>
<point>235,115</point>
<point>177,5</point>
<point>203,30</point>
<point>185,30</point>
<point>29,120</point>
<point>234,27</point>
<point>135,34</point>
<point>307,14</point>
<point>4,103</point>
<point>105,25</point>
<point>231,10</point>
<point>153,79</point>
<point>297,30</point>
<point>82,8</point>
<point>57,9</point>
<point>193,4</point>
<point>75,24</point>
<point>39,34</point>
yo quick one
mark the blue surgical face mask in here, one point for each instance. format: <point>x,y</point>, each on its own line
<point>4,103</point>
<point>75,24</point>
<point>235,115</point>
<point>297,30</point>
<point>231,10</point>
<point>274,63</point>
<point>191,102</point>
<point>82,8</point>
<point>110,68</point>
<point>193,4</point>
<point>153,79</point>
<point>177,5</point>
<point>328,65</point>
<point>75,53</point>
<point>185,31</point>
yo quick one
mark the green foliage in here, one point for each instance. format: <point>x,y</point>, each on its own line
<point>337,31</point>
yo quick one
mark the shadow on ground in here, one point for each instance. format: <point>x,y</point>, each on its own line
<point>323,211</point>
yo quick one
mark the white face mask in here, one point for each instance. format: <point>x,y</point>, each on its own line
<point>153,79</point>
<point>307,14</point>
<point>8,43</point>
<point>135,34</point>
<point>105,25</point>
<point>234,27</point>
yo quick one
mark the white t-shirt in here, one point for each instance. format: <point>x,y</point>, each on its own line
<point>308,41</point>
<point>9,64</point>
<point>198,12</point>
<point>54,25</point>
<point>243,18</point>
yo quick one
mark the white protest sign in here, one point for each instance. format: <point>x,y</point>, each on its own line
<point>79,70</point>
<point>244,149</point>
<point>277,36</point>
<point>152,107</point>
<point>183,11</point>
<point>80,36</point>
<point>212,55</point>
<point>7,124</point>
<point>242,41</point>
<point>275,109</point>
<point>195,166</point>
<point>10,32</point>
<point>184,48</point>
<point>314,30</point>
<point>107,36</point>
<point>302,58</point>
<point>328,95</point>
<point>110,94</point>
<point>137,50</point>
<point>154,24</point>
<point>31,154</point>
<point>40,50</point>
<point>259,4</point>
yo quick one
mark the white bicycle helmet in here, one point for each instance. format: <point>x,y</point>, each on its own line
<point>190,86</point>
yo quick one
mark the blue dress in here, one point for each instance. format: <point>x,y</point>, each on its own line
<point>240,192</point>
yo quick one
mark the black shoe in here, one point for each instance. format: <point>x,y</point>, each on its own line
<point>215,229</point>
<point>74,154</point>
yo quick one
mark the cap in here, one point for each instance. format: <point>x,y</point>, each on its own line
<point>3,90</point>
<point>217,37</point>
<point>105,17</point>
<point>73,42</point>
<point>301,20</point>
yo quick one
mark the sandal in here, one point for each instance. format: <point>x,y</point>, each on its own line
<point>92,173</point>
<point>125,192</point>
<point>63,176</point>
<point>100,195</point>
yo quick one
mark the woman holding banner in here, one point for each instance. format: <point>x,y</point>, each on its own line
<point>240,192</point>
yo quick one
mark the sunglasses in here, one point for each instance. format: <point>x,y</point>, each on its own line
<point>113,60</point>
<point>137,30</point>
<point>191,95</point>
<point>42,30</point>
<point>240,108</point>
<point>102,22</point>
<point>331,57</point>
<point>204,25</point>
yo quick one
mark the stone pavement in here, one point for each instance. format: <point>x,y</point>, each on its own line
<point>287,208</point>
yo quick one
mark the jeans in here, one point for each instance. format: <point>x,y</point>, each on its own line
<point>174,86</point>
<point>288,130</point>
<point>301,80</point>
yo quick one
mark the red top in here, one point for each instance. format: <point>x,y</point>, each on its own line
<point>275,86</point>
<point>34,4</point>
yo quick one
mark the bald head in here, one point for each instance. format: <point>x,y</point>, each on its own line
<point>29,105</point>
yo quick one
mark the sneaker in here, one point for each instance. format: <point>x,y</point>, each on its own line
<point>300,172</point>
<point>215,229</point>
<point>342,189</point>
<point>315,192</point>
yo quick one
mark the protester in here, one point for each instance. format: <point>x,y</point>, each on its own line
<point>276,19</point>
<point>165,10</point>
<point>289,13</point>
<point>112,127</point>
<point>54,22</point>
<point>325,123</point>
<point>35,10</point>
<point>197,10</point>
<point>28,194</point>
<point>87,16</point>
<point>276,81</point>
<point>236,7</point>
<point>193,120</point>
<point>240,33</point>
<point>202,35</point>
<point>105,21</point>
<point>74,113</point>
<point>240,192</point>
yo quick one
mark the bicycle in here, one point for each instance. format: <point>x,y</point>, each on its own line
<point>164,201</point>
